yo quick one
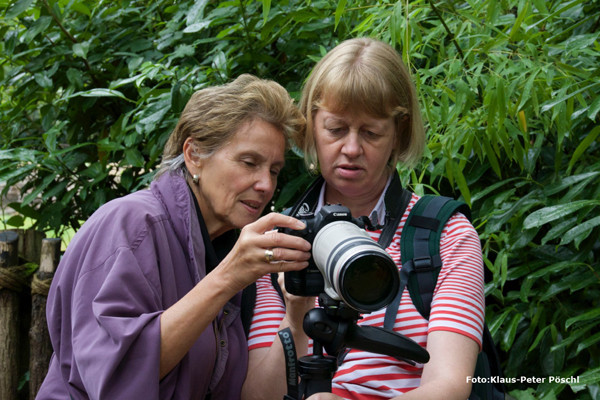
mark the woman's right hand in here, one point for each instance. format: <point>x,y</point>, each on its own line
<point>247,261</point>
<point>296,307</point>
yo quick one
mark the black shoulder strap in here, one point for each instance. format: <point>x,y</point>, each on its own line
<point>396,200</point>
<point>420,252</point>
<point>420,246</point>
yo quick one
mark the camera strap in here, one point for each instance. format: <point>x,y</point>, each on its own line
<point>291,363</point>
<point>396,200</point>
<point>308,202</point>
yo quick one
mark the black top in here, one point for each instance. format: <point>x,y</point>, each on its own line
<point>216,250</point>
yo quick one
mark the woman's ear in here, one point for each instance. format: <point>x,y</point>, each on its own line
<point>402,138</point>
<point>190,156</point>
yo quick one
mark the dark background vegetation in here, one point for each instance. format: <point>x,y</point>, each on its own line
<point>509,90</point>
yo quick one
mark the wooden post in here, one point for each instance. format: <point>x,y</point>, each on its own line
<point>39,340</point>
<point>30,244</point>
<point>10,285</point>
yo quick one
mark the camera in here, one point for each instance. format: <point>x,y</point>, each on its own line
<point>345,264</point>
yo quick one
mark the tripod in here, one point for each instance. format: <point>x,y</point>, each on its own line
<point>334,328</point>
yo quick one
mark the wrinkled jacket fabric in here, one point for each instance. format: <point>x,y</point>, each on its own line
<point>133,259</point>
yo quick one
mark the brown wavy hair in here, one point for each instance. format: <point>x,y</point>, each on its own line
<point>213,115</point>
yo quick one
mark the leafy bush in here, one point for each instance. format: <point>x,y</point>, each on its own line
<point>509,89</point>
<point>91,90</point>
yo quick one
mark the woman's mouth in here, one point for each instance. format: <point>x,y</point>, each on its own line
<point>252,206</point>
<point>349,171</point>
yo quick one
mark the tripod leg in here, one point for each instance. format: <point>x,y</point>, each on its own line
<point>316,374</point>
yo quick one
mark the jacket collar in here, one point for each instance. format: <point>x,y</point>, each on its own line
<point>171,189</point>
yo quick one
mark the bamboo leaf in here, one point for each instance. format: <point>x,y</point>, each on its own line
<point>18,8</point>
<point>586,379</point>
<point>569,181</point>
<point>549,214</point>
<point>197,27</point>
<point>589,316</point>
<point>592,340</point>
<point>580,232</point>
<point>100,93</point>
<point>510,333</point>
<point>341,6</point>
<point>593,109</point>
<point>495,325</point>
<point>396,31</point>
<point>38,189</point>
<point>522,14</point>
<point>491,156</point>
<point>561,100</point>
<point>538,338</point>
<point>528,89</point>
<point>559,229</point>
<point>266,4</point>
<point>488,190</point>
<point>584,145</point>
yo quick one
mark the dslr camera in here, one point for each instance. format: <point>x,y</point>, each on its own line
<point>346,264</point>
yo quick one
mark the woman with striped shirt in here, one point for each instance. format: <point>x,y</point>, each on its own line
<point>362,119</point>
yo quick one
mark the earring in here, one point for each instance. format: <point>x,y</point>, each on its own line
<point>195,178</point>
<point>314,168</point>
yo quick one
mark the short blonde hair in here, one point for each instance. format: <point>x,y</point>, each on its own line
<point>213,115</point>
<point>364,75</point>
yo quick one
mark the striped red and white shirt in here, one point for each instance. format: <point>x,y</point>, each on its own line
<point>457,306</point>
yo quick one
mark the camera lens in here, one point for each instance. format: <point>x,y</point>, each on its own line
<point>367,278</point>
<point>356,269</point>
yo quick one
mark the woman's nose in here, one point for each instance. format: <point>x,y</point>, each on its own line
<point>265,182</point>
<point>352,145</point>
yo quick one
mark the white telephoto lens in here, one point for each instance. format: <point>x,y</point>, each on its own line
<point>356,270</point>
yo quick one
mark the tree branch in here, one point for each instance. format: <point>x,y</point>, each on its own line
<point>58,22</point>
<point>439,15</point>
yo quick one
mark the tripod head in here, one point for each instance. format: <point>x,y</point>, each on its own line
<point>334,328</point>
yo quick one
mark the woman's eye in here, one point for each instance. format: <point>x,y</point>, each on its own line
<point>275,172</point>
<point>249,163</point>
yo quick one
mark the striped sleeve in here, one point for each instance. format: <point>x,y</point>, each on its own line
<point>269,311</point>
<point>458,303</point>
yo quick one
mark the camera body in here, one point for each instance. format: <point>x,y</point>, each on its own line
<point>346,264</point>
<point>309,281</point>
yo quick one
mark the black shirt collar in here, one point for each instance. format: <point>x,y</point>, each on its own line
<point>216,250</point>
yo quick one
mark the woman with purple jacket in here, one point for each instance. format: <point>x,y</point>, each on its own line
<point>146,300</point>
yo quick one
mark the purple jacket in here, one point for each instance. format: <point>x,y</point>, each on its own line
<point>134,258</point>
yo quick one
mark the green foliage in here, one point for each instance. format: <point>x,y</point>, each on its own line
<point>91,90</point>
<point>511,93</point>
<point>509,90</point>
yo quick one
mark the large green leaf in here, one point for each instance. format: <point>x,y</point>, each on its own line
<point>549,214</point>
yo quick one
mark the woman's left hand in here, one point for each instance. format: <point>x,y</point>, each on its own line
<point>261,249</point>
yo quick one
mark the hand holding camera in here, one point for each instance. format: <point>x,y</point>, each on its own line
<point>346,263</point>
